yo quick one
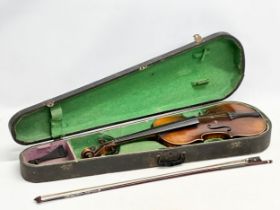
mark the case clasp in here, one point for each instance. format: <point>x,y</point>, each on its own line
<point>197,38</point>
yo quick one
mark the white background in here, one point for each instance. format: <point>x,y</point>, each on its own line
<point>50,47</point>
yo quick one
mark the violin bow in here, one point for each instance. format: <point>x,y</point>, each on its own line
<point>253,161</point>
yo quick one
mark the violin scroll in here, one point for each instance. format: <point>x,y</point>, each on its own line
<point>108,148</point>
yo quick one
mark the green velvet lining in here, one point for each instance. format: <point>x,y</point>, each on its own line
<point>208,72</point>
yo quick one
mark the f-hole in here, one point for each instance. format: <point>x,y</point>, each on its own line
<point>216,135</point>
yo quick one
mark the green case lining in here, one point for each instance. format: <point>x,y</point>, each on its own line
<point>207,72</point>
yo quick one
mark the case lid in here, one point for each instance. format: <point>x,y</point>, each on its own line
<point>204,71</point>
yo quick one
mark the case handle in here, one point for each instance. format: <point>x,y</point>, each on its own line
<point>171,159</point>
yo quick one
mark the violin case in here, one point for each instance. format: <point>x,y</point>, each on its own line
<point>185,81</point>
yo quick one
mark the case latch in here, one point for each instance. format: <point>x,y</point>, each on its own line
<point>171,159</point>
<point>197,38</point>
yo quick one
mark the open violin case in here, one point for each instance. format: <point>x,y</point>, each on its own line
<point>190,81</point>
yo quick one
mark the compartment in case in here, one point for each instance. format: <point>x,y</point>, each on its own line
<point>37,152</point>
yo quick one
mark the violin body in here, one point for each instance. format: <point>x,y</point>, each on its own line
<point>225,121</point>
<point>211,127</point>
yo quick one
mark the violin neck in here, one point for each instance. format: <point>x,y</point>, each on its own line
<point>156,130</point>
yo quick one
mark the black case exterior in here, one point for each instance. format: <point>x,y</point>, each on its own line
<point>164,157</point>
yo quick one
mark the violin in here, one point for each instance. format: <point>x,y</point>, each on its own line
<point>224,121</point>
